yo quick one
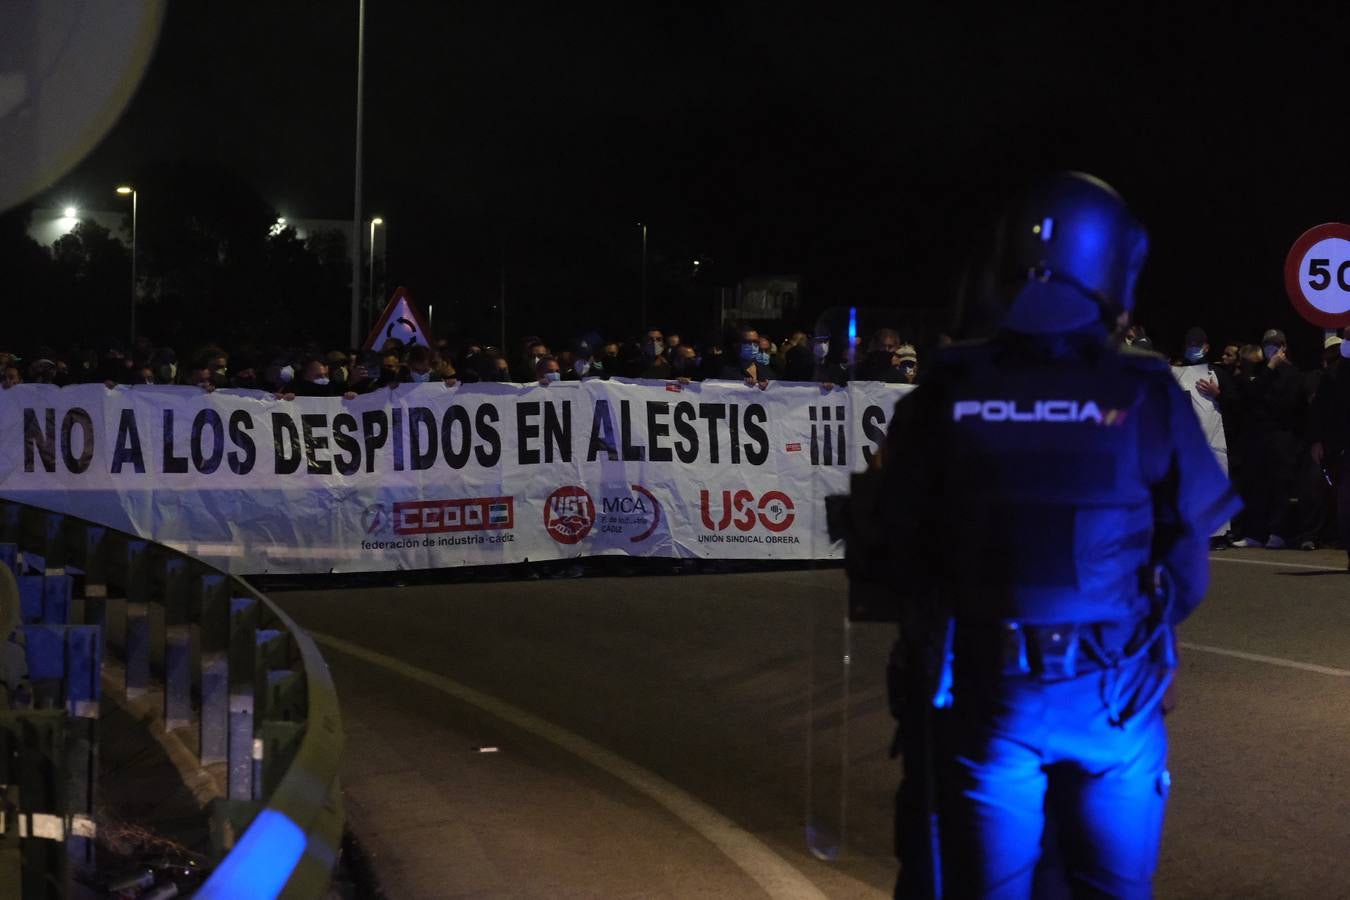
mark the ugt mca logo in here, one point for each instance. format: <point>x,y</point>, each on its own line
<point>376,519</point>
<point>569,514</point>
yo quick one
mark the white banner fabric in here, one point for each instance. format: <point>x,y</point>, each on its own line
<point>424,476</point>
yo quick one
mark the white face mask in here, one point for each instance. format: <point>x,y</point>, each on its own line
<point>320,381</point>
<point>822,350</point>
<point>420,377</point>
<point>581,366</point>
<point>286,375</point>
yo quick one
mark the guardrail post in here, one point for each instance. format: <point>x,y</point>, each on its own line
<point>57,591</point>
<point>30,598</point>
<point>215,667</point>
<point>32,758</point>
<point>243,655</point>
<point>279,742</point>
<point>84,658</point>
<point>136,627</point>
<point>162,568</point>
<point>40,535</point>
<point>45,648</point>
<point>177,645</point>
<point>87,550</point>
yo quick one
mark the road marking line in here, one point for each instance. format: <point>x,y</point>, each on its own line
<point>770,871</point>
<point>1268,660</point>
<point>1275,565</point>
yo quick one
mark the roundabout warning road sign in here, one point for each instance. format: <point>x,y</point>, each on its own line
<point>1317,275</point>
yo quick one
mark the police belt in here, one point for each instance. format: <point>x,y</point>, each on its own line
<point>1047,652</point>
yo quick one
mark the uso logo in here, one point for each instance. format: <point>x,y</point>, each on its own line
<point>569,514</point>
<point>774,511</point>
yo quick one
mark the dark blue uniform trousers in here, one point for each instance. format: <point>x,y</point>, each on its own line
<point>1017,746</point>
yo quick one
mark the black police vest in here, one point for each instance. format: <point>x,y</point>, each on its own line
<point>1046,507</point>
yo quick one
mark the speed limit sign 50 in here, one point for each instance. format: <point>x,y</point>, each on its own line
<point>1317,275</point>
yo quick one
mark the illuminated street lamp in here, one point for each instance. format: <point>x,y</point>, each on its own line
<point>373,222</point>
<point>124,190</point>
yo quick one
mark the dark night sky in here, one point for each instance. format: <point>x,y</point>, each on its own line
<point>864,149</point>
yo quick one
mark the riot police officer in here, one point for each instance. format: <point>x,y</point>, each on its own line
<point>1049,497</point>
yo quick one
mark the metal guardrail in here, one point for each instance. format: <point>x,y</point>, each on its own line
<point>232,674</point>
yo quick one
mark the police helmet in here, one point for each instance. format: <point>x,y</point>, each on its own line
<point>1067,254</point>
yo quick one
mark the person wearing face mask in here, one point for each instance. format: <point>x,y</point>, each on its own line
<point>654,345</point>
<point>831,369</point>
<point>419,368</point>
<point>548,371</point>
<point>218,361</point>
<point>165,365</point>
<point>907,362</point>
<point>737,362</point>
<point>535,350</point>
<point>1277,408</point>
<point>576,363</point>
<point>312,380</point>
<point>1219,386</point>
<point>657,367</point>
<point>1330,432</point>
<point>1212,393</point>
<point>501,370</point>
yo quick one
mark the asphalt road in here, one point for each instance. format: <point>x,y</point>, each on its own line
<point>674,736</point>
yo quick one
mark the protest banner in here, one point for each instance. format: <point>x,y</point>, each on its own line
<point>424,476</point>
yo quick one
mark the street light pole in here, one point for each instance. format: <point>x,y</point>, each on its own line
<point>124,190</point>
<point>643,226</point>
<point>356,205</point>
<point>373,222</point>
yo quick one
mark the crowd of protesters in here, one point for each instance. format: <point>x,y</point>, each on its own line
<point>1287,429</point>
<point>744,355</point>
<point>1287,432</point>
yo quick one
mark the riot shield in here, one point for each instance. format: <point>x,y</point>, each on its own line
<point>852,769</point>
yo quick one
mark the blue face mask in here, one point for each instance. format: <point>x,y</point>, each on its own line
<point>1195,354</point>
<point>762,357</point>
<point>1271,350</point>
<point>748,352</point>
<point>552,376</point>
